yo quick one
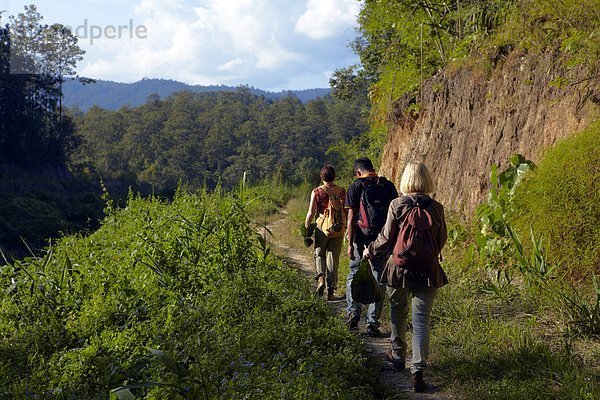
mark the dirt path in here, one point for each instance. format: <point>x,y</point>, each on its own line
<point>394,384</point>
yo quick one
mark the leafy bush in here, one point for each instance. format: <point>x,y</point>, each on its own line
<point>403,42</point>
<point>498,248</point>
<point>170,300</point>
<point>561,201</point>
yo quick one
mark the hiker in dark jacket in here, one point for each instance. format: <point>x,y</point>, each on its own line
<point>358,240</point>
<point>327,249</point>
<point>416,185</point>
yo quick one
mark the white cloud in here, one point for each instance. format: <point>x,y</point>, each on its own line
<point>230,65</point>
<point>263,43</point>
<point>327,18</point>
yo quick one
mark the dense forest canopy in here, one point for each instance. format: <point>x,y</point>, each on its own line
<point>213,138</point>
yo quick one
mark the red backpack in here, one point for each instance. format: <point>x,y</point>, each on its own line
<point>416,248</point>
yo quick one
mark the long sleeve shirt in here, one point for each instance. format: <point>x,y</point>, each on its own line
<point>382,246</point>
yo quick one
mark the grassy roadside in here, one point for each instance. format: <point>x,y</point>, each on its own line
<point>172,300</point>
<point>501,336</point>
<point>489,343</point>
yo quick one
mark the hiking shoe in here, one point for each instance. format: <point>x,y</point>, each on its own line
<point>330,296</point>
<point>396,362</point>
<point>353,321</point>
<point>321,291</point>
<point>321,286</point>
<point>373,331</point>
<point>418,382</point>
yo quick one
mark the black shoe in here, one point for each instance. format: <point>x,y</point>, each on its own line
<point>353,321</point>
<point>396,362</point>
<point>330,294</point>
<point>418,382</point>
<point>373,331</point>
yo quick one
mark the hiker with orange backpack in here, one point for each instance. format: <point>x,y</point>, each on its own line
<point>367,203</point>
<point>327,202</point>
<point>412,239</point>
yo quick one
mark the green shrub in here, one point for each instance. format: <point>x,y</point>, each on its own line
<point>561,201</point>
<point>171,300</point>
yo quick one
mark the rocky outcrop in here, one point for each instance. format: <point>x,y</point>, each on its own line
<point>469,120</point>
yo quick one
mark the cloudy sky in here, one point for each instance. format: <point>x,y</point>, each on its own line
<point>269,44</point>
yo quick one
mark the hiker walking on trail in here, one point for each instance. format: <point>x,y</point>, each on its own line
<point>412,239</point>
<point>327,201</point>
<point>367,202</point>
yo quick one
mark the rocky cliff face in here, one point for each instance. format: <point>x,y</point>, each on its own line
<point>467,121</point>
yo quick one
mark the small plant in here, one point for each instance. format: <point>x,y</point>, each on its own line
<point>495,240</point>
<point>584,315</point>
<point>184,381</point>
<point>535,269</point>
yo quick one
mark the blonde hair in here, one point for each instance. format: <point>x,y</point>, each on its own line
<point>416,179</point>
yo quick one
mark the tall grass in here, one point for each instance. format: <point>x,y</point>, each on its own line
<point>170,300</point>
<point>561,201</point>
<point>532,331</point>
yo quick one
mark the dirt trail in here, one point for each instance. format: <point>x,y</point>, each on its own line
<point>397,384</point>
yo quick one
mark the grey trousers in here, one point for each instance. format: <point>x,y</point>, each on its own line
<point>422,304</point>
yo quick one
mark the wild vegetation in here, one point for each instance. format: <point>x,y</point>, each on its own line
<point>402,43</point>
<point>559,201</point>
<point>514,324</point>
<point>170,300</point>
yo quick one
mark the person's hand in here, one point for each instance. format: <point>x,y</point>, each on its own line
<point>350,251</point>
<point>366,253</point>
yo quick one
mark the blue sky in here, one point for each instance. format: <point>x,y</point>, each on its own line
<point>269,44</point>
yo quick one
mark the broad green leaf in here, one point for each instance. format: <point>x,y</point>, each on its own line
<point>517,159</point>
<point>170,363</point>
<point>121,394</point>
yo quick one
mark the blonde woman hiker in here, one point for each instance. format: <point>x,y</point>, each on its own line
<point>327,204</point>
<point>412,239</point>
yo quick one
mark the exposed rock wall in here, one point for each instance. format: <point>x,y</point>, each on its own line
<point>468,121</point>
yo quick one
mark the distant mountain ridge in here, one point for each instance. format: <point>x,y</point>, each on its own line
<point>114,95</point>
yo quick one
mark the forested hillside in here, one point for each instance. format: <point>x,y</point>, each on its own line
<point>465,84</point>
<point>213,138</point>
